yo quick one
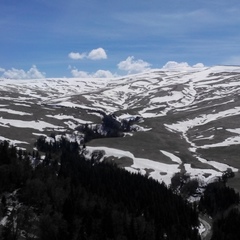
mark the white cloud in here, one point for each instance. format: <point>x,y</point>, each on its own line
<point>95,54</point>
<point>103,74</point>
<point>79,74</point>
<point>2,70</point>
<point>199,65</point>
<point>76,56</point>
<point>133,66</point>
<point>32,73</point>
<point>172,65</point>
<point>98,74</point>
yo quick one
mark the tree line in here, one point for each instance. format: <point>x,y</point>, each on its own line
<point>66,196</point>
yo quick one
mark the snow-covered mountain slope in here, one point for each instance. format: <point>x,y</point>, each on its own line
<point>191,117</point>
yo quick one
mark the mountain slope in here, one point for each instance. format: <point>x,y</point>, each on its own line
<point>190,117</point>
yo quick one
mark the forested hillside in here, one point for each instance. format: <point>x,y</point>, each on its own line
<point>221,203</point>
<point>67,197</point>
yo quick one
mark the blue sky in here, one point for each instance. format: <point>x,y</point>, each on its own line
<point>57,38</point>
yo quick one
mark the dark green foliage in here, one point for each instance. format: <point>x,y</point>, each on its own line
<point>219,201</point>
<point>110,127</point>
<point>217,198</point>
<point>190,188</point>
<point>90,132</point>
<point>178,180</point>
<point>227,174</point>
<point>21,221</point>
<point>105,202</point>
<point>67,197</point>
<point>14,167</point>
<point>85,200</point>
<point>181,183</point>
<point>227,227</point>
<point>110,123</point>
<point>52,147</point>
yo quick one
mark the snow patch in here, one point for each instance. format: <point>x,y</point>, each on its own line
<point>172,156</point>
<point>159,171</point>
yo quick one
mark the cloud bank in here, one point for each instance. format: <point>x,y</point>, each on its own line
<point>172,65</point>
<point>98,74</point>
<point>131,66</point>
<point>13,73</point>
<point>95,54</point>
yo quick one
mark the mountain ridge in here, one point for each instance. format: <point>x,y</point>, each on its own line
<point>191,113</point>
